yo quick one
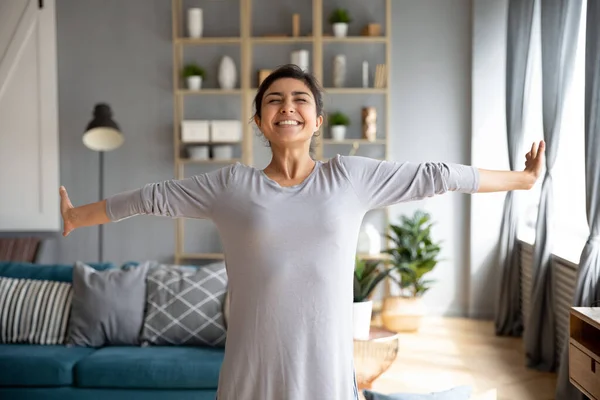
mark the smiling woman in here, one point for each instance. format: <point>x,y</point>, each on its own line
<point>290,233</point>
<point>300,94</point>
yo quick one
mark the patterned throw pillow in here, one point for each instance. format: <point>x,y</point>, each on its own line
<point>184,306</point>
<point>34,311</point>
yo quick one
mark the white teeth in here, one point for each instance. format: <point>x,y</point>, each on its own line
<point>288,123</point>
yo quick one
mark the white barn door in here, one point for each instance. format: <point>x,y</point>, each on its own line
<point>29,164</point>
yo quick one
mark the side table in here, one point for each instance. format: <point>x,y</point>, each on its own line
<point>373,356</point>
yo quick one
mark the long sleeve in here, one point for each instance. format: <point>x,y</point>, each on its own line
<point>192,197</point>
<point>382,183</point>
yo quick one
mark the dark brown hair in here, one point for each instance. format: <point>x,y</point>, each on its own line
<point>295,72</point>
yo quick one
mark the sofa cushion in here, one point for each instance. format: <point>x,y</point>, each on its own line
<point>34,311</point>
<point>150,368</point>
<point>184,305</point>
<point>58,272</point>
<point>38,365</point>
<point>108,306</point>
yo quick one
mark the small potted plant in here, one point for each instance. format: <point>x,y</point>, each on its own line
<point>413,255</point>
<point>338,122</point>
<point>193,74</point>
<point>367,275</point>
<point>339,19</point>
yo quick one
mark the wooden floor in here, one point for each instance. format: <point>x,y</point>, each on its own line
<point>448,352</point>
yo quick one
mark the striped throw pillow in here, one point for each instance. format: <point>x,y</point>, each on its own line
<point>34,311</point>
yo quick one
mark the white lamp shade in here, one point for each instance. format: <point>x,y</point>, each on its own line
<point>103,139</point>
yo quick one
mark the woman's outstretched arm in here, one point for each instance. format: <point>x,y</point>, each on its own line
<point>77,217</point>
<point>502,181</point>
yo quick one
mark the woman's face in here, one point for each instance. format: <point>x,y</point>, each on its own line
<point>288,113</point>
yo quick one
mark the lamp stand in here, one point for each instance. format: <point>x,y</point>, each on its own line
<point>101,192</point>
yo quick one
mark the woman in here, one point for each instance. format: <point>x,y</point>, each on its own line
<point>289,233</point>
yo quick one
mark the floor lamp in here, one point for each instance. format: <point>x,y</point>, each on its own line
<point>102,134</point>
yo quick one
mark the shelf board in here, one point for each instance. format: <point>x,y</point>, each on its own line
<point>352,141</point>
<point>355,39</point>
<point>356,90</point>
<point>207,40</point>
<point>192,161</point>
<point>215,143</point>
<point>373,257</point>
<point>202,256</point>
<point>286,39</point>
<point>187,92</point>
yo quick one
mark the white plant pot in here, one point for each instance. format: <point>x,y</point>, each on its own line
<point>194,82</point>
<point>195,23</point>
<point>338,132</point>
<point>362,313</point>
<point>340,29</point>
<point>227,73</point>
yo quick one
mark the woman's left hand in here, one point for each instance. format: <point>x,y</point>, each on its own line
<point>534,160</point>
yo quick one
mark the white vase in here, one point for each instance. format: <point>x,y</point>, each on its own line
<point>194,82</point>
<point>301,59</point>
<point>227,73</point>
<point>340,29</point>
<point>361,319</point>
<point>338,132</point>
<point>374,239</point>
<point>339,71</point>
<point>195,23</point>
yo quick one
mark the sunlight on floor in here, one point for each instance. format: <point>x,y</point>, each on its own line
<point>449,352</point>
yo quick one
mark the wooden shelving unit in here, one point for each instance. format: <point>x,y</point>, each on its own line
<point>584,350</point>
<point>316,41</point>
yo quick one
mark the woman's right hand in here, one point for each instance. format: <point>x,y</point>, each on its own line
<point>65,210</point>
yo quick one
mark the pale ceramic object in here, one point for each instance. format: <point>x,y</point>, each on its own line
<point>362,312</point>
<point>339,71</point>
<point>340,29</point>
<point>338,132</point>
<point>227,73</point>
<point>195,24</point>
<point>194,82</point>
<point>198,152</point>
<point>301,59</point>
<point>222,152</point>
<point>369,240</point>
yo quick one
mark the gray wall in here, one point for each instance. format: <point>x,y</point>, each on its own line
<point>120,52</point>
<point>431,102</point>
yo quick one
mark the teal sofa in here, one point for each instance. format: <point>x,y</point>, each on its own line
<point>117,373</point>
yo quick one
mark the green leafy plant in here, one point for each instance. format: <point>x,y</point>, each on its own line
<point>193,69</point>
<point>339,15</point>
<point>414,254</point>
<point>367,276</point>
<point>339,118</point>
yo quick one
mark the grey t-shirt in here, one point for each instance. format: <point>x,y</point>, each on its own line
<point>289,253</point>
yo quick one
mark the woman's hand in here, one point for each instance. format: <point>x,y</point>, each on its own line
<point>534,160</point>
<point>65,210</point>
<point>502,181</point>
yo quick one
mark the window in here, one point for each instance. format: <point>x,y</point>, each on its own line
<point>570,224</point>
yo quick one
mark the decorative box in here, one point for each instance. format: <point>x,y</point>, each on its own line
<point>225,131</point>
<point>195,131</point>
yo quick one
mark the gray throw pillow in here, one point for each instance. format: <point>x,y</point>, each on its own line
<point>107,306</point>
<point>184,306</point>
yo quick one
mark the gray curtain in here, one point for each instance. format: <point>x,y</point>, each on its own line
<point>560,25</point>
<point>508,319</point>
<point>587,292</point>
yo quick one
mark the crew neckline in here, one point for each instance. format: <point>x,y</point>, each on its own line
<point>294,187</point>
